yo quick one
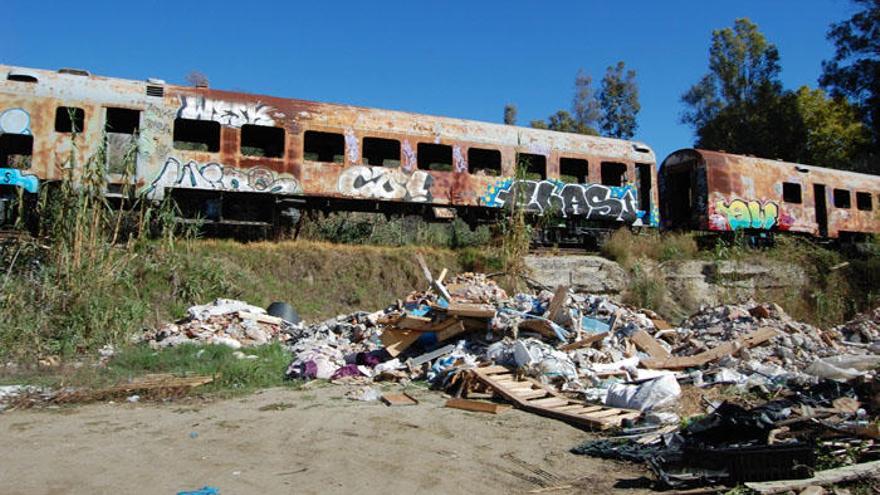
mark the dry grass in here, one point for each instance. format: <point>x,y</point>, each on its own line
<point>625,247</point>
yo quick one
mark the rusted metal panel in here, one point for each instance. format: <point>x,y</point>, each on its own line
<point>747,193</point>
<point>161,166</point>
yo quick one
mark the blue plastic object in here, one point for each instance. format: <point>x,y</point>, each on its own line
<point>594,325</point>
<point>205,490</point>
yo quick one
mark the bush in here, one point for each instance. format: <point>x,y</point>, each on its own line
<point>624,247</point>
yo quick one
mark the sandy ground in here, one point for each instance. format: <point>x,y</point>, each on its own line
<point>286,441</point>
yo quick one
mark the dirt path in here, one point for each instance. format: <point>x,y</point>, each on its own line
<point>285,441</point>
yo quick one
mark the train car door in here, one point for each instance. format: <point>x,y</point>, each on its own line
<point>121,129</point>
<point>821,209</point>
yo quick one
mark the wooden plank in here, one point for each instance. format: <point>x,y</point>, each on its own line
<point>468,310</point>
<point>532,395</point>
<point>272,320</point>
<point>548,402</point>
<point>403,399</point>
<point>455,329</point>
<point>660,324</point>
<point>442,275</point>
<point>557,304</point>
<point>396,340</point>
<point>584,342</point>
<point>522,401</point>
<point>477,406</point>
<point>601,414</point>
<point>494,369</point>
<point>425,270</point>
<point>822,478</point>
<point>751,340</point>
<point>538,326</point>
<point>418,323</point>
<point>649,345</point>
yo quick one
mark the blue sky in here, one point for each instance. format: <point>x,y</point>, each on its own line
<point>457,59</point>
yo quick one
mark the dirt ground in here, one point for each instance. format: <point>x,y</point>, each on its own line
<point>296,441</point>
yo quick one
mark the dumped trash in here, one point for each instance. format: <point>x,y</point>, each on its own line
<point>225,321</point>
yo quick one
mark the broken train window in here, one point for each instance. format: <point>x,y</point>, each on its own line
<point>326,147</point>
<point>380,152</point>
<point>573,170</point>
<point>196,135</point>
<point>262,141</point>
<point>437,157</point>
<point>535,165</point>
<point>69,119</point>
<point>484,161</point>
<point>16,150</point>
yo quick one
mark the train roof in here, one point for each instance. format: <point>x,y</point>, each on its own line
<point>72,83</point>
<point>719,158</point>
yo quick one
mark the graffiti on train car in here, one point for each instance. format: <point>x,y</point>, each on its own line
<point>14,177</point>
<point>224,112</point>
<point>593,201</point>
<point>737,214</point>
<point>214,176</point>
<point>15,121</point>
<point>385,183</point>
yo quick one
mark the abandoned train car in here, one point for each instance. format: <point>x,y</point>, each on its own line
<point>714,191</point>
<point>229,157</point>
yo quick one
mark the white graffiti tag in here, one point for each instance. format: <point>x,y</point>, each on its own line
<point>217,177</point>
<point>229,114</point>
<point>383,183</point>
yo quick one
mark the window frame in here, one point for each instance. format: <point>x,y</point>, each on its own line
<point>543,175</point>
<point>586,169</point>
<point>427,166</point>
<point>313,132</point>
<point>835,199</point>
<point>364,158</point>
<point>262,128</point>
<point>496,172</point>
<point>800,193</point>
<point>863,195</point>
<point>78,117</point>
<point>212,123</point>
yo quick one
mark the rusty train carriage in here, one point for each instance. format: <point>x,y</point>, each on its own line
<point>709,190</point>
<point>235,157</point>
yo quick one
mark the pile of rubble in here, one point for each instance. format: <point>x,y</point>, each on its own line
<point>225,321</point>
<point>585,359</point>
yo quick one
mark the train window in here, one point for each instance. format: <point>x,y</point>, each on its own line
<point>842,198</point>
<point>326,147</point>
<point>69,119</point>
<point>484,162</point>
<point>864,201</point>
<point>261,140</point>
<point>123,120</point>
<point>574,170</point>
<point>380,152</point>
<point>12,76</point>
<point>535,165</point>
<point>196,135</point>
<point>791,192</point>
<point>437,157</point>
<point>613,174</point>
<point>121,128</point>
<point>16,150</point>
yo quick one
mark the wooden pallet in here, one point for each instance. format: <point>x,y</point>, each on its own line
<point>533,396</point>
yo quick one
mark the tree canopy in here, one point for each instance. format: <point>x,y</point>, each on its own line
<point>854,71</point>
<point>619,102</point>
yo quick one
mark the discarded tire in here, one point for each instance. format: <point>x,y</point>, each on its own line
<point>284,311</point>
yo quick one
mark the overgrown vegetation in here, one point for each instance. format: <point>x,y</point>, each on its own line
<point>378,229</point>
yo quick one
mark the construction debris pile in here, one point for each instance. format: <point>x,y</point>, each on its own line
<point>589,361</point>
<point>788,438</point>
<point>225,321</point>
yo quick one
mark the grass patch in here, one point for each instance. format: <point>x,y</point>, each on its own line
<point>232,375</point>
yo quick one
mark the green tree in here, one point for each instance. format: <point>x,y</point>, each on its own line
<point>854,71</point>
<point>743,68</point>
<point>619,102</point>
<point>585,111</point>
<point>834,136</point>
<point>510,114</point>
<point>584,106</point>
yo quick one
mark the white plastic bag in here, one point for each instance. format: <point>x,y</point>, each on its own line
<point>653,394</point>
